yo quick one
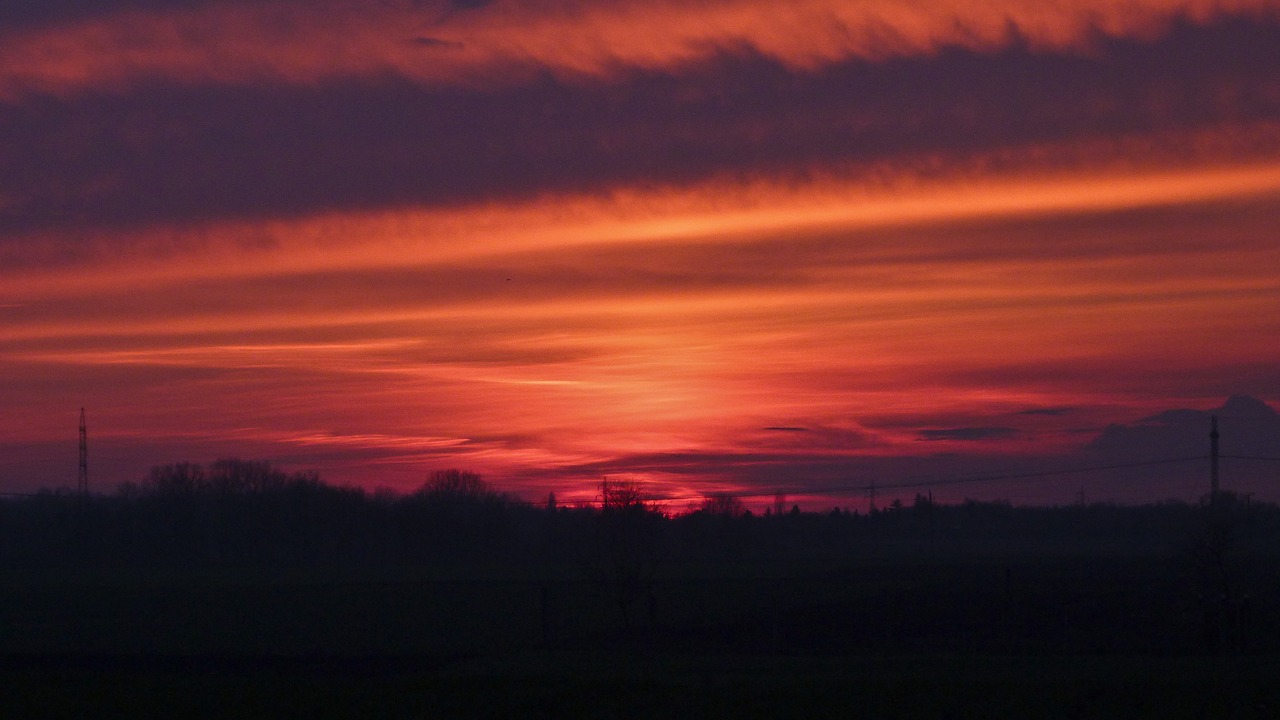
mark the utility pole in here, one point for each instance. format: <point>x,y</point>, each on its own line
<point>82,480</point>
<point>1213,458</point>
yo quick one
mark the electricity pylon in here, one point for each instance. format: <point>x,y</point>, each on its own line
<point>82,480</point>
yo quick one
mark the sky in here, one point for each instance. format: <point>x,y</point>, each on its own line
<point>713,246</point>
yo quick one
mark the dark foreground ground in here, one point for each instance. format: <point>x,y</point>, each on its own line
<point>1028,637</point>
<point>633,684</point>
<point>308,601</point>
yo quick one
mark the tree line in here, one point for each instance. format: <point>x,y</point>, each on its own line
<point>1215,560</point>
<point>249,512</point>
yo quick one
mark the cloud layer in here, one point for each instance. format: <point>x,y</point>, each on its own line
<point>166,152</point>
<point>710,246</point>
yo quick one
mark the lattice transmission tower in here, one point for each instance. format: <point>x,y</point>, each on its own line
<point>1213,457</point>
<point>82,480</point>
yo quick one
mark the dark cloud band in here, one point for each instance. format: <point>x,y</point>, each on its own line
<point>165,153</point>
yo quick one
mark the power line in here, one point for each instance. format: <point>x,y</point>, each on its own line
<point>1045,473</point>
<point>846,489</point>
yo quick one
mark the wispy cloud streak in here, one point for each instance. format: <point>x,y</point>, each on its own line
<point>67,47</point>
<point>169,153</point>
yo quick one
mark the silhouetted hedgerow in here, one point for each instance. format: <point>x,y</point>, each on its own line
<point>977,575</point>
<point>245,512</point>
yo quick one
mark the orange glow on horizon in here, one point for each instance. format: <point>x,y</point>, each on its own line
<point>679,363</point>
<point>716,245</point>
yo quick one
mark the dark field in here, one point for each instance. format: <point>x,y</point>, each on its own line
<point>1067,637</point>
<point>1020,605</point>
<point>267,606</point>
<point>628,685</point>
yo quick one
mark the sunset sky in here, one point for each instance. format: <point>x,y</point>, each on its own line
<point>710,245</point>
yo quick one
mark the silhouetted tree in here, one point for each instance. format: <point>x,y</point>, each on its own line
<point>627,548</point>
<point>227,476</point>
<point>723,504</point>
<point>1218,567</point>
<point>181,479</point>
<point>456,513</point>
<point>456,484</point>
<point>233,476</point>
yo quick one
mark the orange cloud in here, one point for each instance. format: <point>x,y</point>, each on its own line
<point>572,331</point>
<point>306,42</point>
<point>578,331</point>
<point>555,296</point>
<point>1040,180</point>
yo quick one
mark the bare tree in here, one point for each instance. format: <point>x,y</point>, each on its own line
<point>723,504</point>
<point>627,552</point>
<point>228,476</point>
<point>182,479</point>
<point>233,476</point>
<point>454,483</point>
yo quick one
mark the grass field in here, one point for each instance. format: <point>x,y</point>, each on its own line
<point>1056,638</point>
<point>627,684</point>
<point>1058,605</point>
